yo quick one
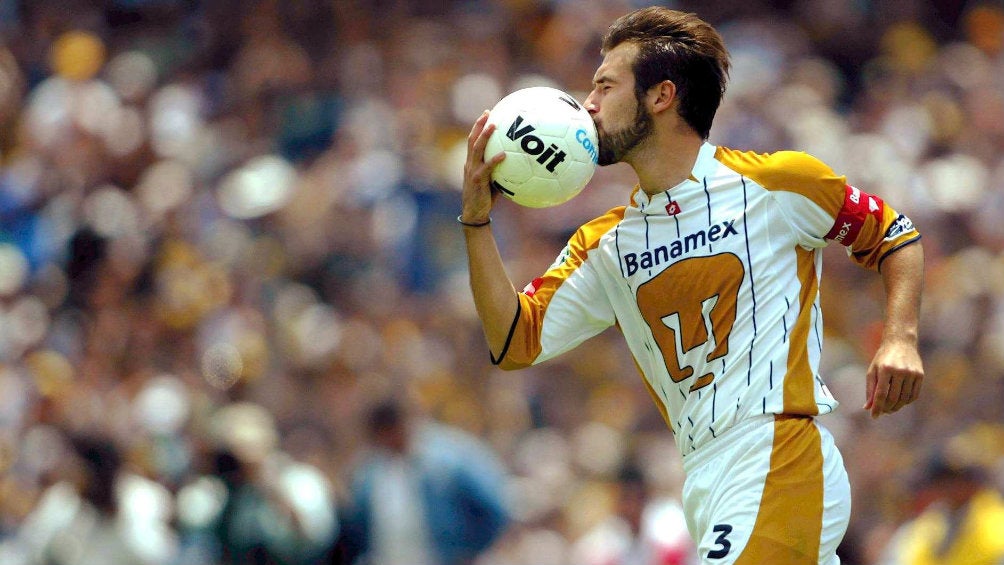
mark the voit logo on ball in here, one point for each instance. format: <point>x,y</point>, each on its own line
<point>533,145</point>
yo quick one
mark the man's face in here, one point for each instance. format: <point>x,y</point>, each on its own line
<point>622,122</point>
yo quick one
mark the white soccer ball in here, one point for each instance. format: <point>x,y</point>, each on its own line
<point>550,145</point>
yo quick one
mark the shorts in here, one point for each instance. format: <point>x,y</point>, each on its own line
<point>771,490</point>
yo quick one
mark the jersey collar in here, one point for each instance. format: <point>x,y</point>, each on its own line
<point>703,167</point>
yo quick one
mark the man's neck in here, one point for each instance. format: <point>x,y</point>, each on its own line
<point>666,160</point>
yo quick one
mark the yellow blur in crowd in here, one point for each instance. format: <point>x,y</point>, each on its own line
<point>970,535</point>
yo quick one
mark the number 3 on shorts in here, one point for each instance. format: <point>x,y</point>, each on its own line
<point>724,545</point>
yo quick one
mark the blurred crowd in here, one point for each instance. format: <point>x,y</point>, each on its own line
<point>229,269</point>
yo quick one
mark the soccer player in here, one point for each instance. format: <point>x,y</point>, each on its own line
<point>711,272</point>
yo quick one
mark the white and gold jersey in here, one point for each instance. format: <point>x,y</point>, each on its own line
<point>714,284</point>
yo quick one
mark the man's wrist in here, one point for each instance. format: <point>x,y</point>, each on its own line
<point>473,223</point>
<point>901,336</point>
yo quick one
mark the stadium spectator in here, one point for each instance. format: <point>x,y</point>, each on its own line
<point>428,495</point>
<point>960,519</point>
<point>644,529</point>
<point>97,513</point>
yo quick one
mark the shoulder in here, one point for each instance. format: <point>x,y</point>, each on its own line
<point>781,170</point>
<point>589,234</point>
<point>602,224</point>
<point>587,238</point>
<point>788,172</point>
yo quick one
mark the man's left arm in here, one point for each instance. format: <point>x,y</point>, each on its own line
<point>896,372</point>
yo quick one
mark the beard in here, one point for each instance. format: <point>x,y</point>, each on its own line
<point>615,145</point>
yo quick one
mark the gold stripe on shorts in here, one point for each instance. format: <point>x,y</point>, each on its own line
<point>790,521</point>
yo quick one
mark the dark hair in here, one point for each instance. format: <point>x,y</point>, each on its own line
<point>631,474</point>
<point>102,460</point>
<point>940,468</point>
<point>681,48</point>
<point>385,415</point>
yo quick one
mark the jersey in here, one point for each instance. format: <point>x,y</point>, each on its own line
<point>714,284</point>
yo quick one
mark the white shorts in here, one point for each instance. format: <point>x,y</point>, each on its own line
<point>771,490</point>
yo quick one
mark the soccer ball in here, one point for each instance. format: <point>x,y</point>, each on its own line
<point>550,145</point>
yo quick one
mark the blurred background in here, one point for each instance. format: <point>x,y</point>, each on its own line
<point>230,276</point>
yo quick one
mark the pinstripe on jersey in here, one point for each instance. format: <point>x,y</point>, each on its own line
<point>715,286</point>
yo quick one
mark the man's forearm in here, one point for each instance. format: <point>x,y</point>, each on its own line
<point>903,277</point>
<point>494,295</point>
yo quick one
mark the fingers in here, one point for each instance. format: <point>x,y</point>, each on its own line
<point>479,124</point>
<point>915,389</point>
<point>880,394</point>
<point>870,380</point>
<point>480,132</point>
<point>495,159</point>
<point>909,393</point>
<point>477,166</point>
<point>478,197</point>
<point>893,397</point>
<point>890,390</point>
<point>893,379</point>
<point>911,389</point>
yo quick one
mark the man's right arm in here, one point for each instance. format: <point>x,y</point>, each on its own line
<point>494,295</point>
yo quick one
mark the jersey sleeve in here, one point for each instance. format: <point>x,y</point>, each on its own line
<point>876,227</point>
<point>821,208</point>
<point>565,306</point>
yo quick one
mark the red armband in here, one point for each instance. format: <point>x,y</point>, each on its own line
<point>857,207</point>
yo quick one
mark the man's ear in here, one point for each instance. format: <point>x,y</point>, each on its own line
<point>662,96</point>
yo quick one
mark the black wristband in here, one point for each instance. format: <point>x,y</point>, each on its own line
<point>470,225</point>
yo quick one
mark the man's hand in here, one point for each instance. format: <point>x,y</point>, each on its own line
<point>478,196</point>
<point>894,377</point>
<point>494,295</point>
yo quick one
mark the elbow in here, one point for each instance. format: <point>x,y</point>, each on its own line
<point>912,250</point>
<point>507,364</point>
